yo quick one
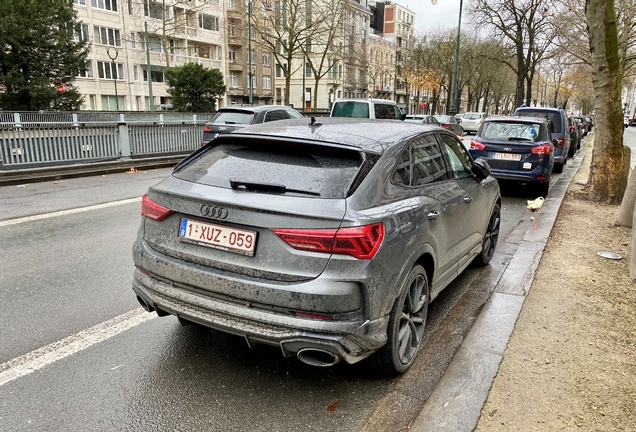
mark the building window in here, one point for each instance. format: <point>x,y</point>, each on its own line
<point>82,34</point>
<point>133,40</point>
<point>253,81</point>
<point>230,30</point>
<point>111,103</point>
<point>107,36</point>
<point>252,57</point>
<point>91,102</point>
<point>136,72</point>
<point>79,2</point>
<point>233,80</point>
<point>266,59</point>
<point>279,71</point>
<point>87,72</point>
<point>154,9</point>
<point>208,22</point>
<point>110,70</point>
<point>230,4</point>
<point>154,43</point>
<point>267,82</point>
<point>308,70</point>
<point>109,5</point>
<point>232,55</point>
<point>157,75</point>
<point>308,45</point>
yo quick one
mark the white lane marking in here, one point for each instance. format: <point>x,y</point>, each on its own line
<point>67,212</point>
<point>35,360</point>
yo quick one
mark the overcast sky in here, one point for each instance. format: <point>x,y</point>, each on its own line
<point>428,16</point>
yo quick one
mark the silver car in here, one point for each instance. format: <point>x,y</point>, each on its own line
<point>472,121</point>
<point>326,239</point>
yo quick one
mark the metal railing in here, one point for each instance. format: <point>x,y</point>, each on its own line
<point>30,140</point>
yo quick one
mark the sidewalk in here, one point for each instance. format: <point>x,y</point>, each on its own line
<point>570,363</point>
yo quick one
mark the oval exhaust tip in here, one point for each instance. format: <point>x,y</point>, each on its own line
<point>317,357</point>
<point>145,305</point>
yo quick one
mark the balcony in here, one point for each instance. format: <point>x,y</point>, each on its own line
<point>236,91</point>
<point>235,40</point>
<point>236,14</point>
<point>236,66</point>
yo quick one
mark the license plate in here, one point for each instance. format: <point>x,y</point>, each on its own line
<point>508,156</point>
<point>218,236</point>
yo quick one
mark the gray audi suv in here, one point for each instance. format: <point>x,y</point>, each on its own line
<point>325,237</point>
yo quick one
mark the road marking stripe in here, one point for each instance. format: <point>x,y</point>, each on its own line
<point>55,351</point>
<point>67,212</point>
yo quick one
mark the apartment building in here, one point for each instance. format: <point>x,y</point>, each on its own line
<point>123,69</point>
<point>127,73</point>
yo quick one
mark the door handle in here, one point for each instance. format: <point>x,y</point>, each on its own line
<point>468,199</point>
<point>433,215</point>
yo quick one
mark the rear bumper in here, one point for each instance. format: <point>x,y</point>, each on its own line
<point>527,177</point>
<point>352,340</point>
<point>260,310</point>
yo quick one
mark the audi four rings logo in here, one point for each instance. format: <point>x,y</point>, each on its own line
<point>214,212</point>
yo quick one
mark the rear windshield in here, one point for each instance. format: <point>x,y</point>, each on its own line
<point>442,119</point>
<point>553,116</point>
<point>472,116</point>
<point>351,109</point>
<point>232,117</point>
<point>508,131</point>
<point>310,171</point>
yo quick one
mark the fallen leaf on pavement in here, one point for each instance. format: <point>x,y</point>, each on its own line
<point>331,408</point>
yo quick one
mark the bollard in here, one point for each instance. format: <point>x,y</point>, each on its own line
<point>626,211</point>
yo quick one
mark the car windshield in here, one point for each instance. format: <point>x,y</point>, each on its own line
<point>351,109</point>
<point>472,116</point>
<point>319,171</point>
<point>512,131</point>
<point>232,117</point>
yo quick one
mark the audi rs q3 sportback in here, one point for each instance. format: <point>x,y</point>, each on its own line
<point>326,239</point>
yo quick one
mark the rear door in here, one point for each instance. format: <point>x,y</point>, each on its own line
<point>475,200</point>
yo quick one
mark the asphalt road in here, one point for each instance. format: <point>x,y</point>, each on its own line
<point>76,352</point>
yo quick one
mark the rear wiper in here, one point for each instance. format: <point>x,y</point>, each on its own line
<point>229,122</point>
<point>267,187</point>
<point>518,139</point>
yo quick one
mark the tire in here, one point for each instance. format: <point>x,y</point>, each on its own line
<point>491,236</point>
<point>542,189</point>
<point>558,168</point>
<point>406,325</point>
<point>571,151</point>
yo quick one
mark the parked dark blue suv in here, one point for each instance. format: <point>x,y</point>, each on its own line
<point>559,129</point>
<point>516,148</point>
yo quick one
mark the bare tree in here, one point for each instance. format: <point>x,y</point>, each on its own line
<point>608,178</point>
<point>285,28</point>
<point>525,28</point>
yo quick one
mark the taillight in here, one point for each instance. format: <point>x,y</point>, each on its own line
<point>561,142</point>
<point>152,210</point>
<point>206,129</point>
<point>313,316</point>
<point>359,242</point>
<point>572,128</point>
<point>475,145</point>
<point>545,149</point>
<point>445,126</point>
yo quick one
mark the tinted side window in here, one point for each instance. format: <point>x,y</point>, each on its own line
<point>428,162</point>
<point>293,114</point>
<point>383,111</point>
<point>275,115</point>
<point>397,112</point>
<point>460,160</point>
<point>402,174</point>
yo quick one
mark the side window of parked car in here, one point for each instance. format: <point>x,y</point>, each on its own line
<point>397,113</point>
<point>428,161</point>
<point>293,114</point>
<point>274,115</point>
<point>383,111</point>
<point>460,160</point>
<point>422,162</point>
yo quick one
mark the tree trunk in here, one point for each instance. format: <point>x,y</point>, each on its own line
<point>608,179</point>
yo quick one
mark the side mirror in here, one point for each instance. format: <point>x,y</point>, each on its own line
<point>481,169</point>
<point>403,116</point>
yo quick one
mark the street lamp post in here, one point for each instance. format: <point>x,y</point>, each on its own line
<point>249,48</point>
<point>113,72</point>
<point>453,102</point>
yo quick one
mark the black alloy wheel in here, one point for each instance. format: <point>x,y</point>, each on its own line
<point>406,325</point>
<point>490,238</point>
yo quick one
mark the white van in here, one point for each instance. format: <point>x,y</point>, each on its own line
<point>367,108</point>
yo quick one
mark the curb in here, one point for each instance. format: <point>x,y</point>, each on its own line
<point>460,395</point>
<point>34,175</point>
